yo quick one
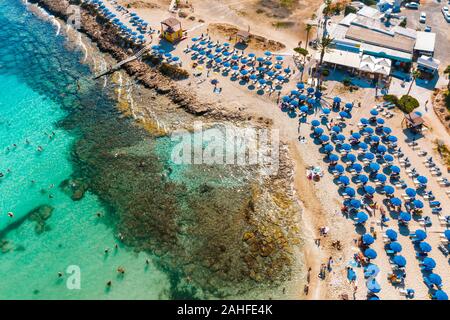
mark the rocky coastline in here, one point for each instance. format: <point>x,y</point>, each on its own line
<point>261,252</point>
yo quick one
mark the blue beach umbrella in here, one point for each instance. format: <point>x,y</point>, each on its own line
<point>315,123</point>
<point>369,189</point>
<point>367,238</point>
<point>370,253</point>
<point>381,177</point>
<point>357,167</point>
<point>387,130</point>
<point>337,100</point>
<point>333,157</point>
<point>370,131</point>
<point>244,72</point>
<point>440,295</point>
<point>374,112</point>
<point>363,178</point>
<point>369,156</point>
<point>304,108</point>
<point>278,66</point>
<point>388,190</point>
<point>355,203</point>
<point>396,202</point>
<point>363,145</point>
<point>418,204</point>
<point>251,55</point>
<point>346,147</point>
<point>381,149</point>
<point>324,138</point>
<point>371,270</point>
<point>285,98</point>
<point>362,216</point>
<point>388,158</point>
<point>399,260</point>
<point>356,135</point>
<point>435,279</point>
<point>421,235</point>
<point>395,246</point>
<point>405,216</point>
<point>326,111</point>
<point>344,114</point>
<point>395,169</point>
<point>380,121</point>
<point>340,137</point>
<point>310,90</point>
<point>349,191</point>
<point>410,192</point>
<point>391,234</point>
<point>349,105</point>
<point>319,131</point>
<point>425,247</point>
<point>373,286</point>
<point>374,166</point>
<point>300,85</point>
<point>422,179</point>
<point>351,157</point>
<point>339,168</point>
<point>327,148</point>
<point>344,180</point>
<point>336,129</point>
<point>429,263</point>
<point>364,121</point>
<point>447,234</point>
<point>392,139</point>
<point>302,97</point>
<point>268,53</point>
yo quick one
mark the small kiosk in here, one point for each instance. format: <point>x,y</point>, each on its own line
<point>171,30</point>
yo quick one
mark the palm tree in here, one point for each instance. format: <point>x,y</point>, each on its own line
<point>415,73</point>
<point>447,72</point>
<point>308,29</point>
<point>324,47</point>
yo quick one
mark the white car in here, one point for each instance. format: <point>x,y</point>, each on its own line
<point>412,5</point>
<point>446,13</point>
<point>423,17</point>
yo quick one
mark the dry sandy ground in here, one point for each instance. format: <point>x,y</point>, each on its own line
<point>320,200</point>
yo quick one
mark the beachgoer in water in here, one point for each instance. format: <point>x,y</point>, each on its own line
<point>60,274</point>
<point>106,251</point>
<point>109,283</point>
<point>10,214</point>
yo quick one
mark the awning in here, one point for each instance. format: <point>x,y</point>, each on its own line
<point>342,58</point>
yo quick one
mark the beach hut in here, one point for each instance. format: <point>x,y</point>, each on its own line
<point>171,30</point>
<point>414,122</point>
<point>242,36</point>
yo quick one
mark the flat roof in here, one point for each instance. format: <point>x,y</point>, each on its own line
<point>386,53</point>
<point>343,58</point>
<point>395,42</point>
<point>367,11</point>
<point>425,41</point>
<point>348,19</point>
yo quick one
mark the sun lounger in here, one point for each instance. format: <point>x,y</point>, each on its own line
<point>443,249</point>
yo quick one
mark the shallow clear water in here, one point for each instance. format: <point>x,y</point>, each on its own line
<point>37,82</point>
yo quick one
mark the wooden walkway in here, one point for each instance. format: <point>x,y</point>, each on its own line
<point>117,66</point>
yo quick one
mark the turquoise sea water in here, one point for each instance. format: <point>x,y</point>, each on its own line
<point>37,82</point>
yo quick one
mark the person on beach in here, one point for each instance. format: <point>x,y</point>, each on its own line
<point>330,263</point>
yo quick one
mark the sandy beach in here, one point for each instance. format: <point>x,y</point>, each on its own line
<point>319,201</point>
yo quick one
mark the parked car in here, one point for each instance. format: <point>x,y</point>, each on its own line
<point>423,17</point>
<point>445,11</point>
<point>412,5</point>
<point>428,29</point>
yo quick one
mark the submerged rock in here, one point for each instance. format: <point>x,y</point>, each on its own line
<point>75,188</point>
<point>40,215</point>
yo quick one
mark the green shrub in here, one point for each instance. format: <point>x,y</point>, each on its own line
<point>407,103</point>
<point>447,100</point>
<point>325,72</point>
<point>347,82</point>
<point>369,2</point>
<point>350,9</point>
<point>403,23</point>
<point>301,51</point>
<point>391,98</point>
